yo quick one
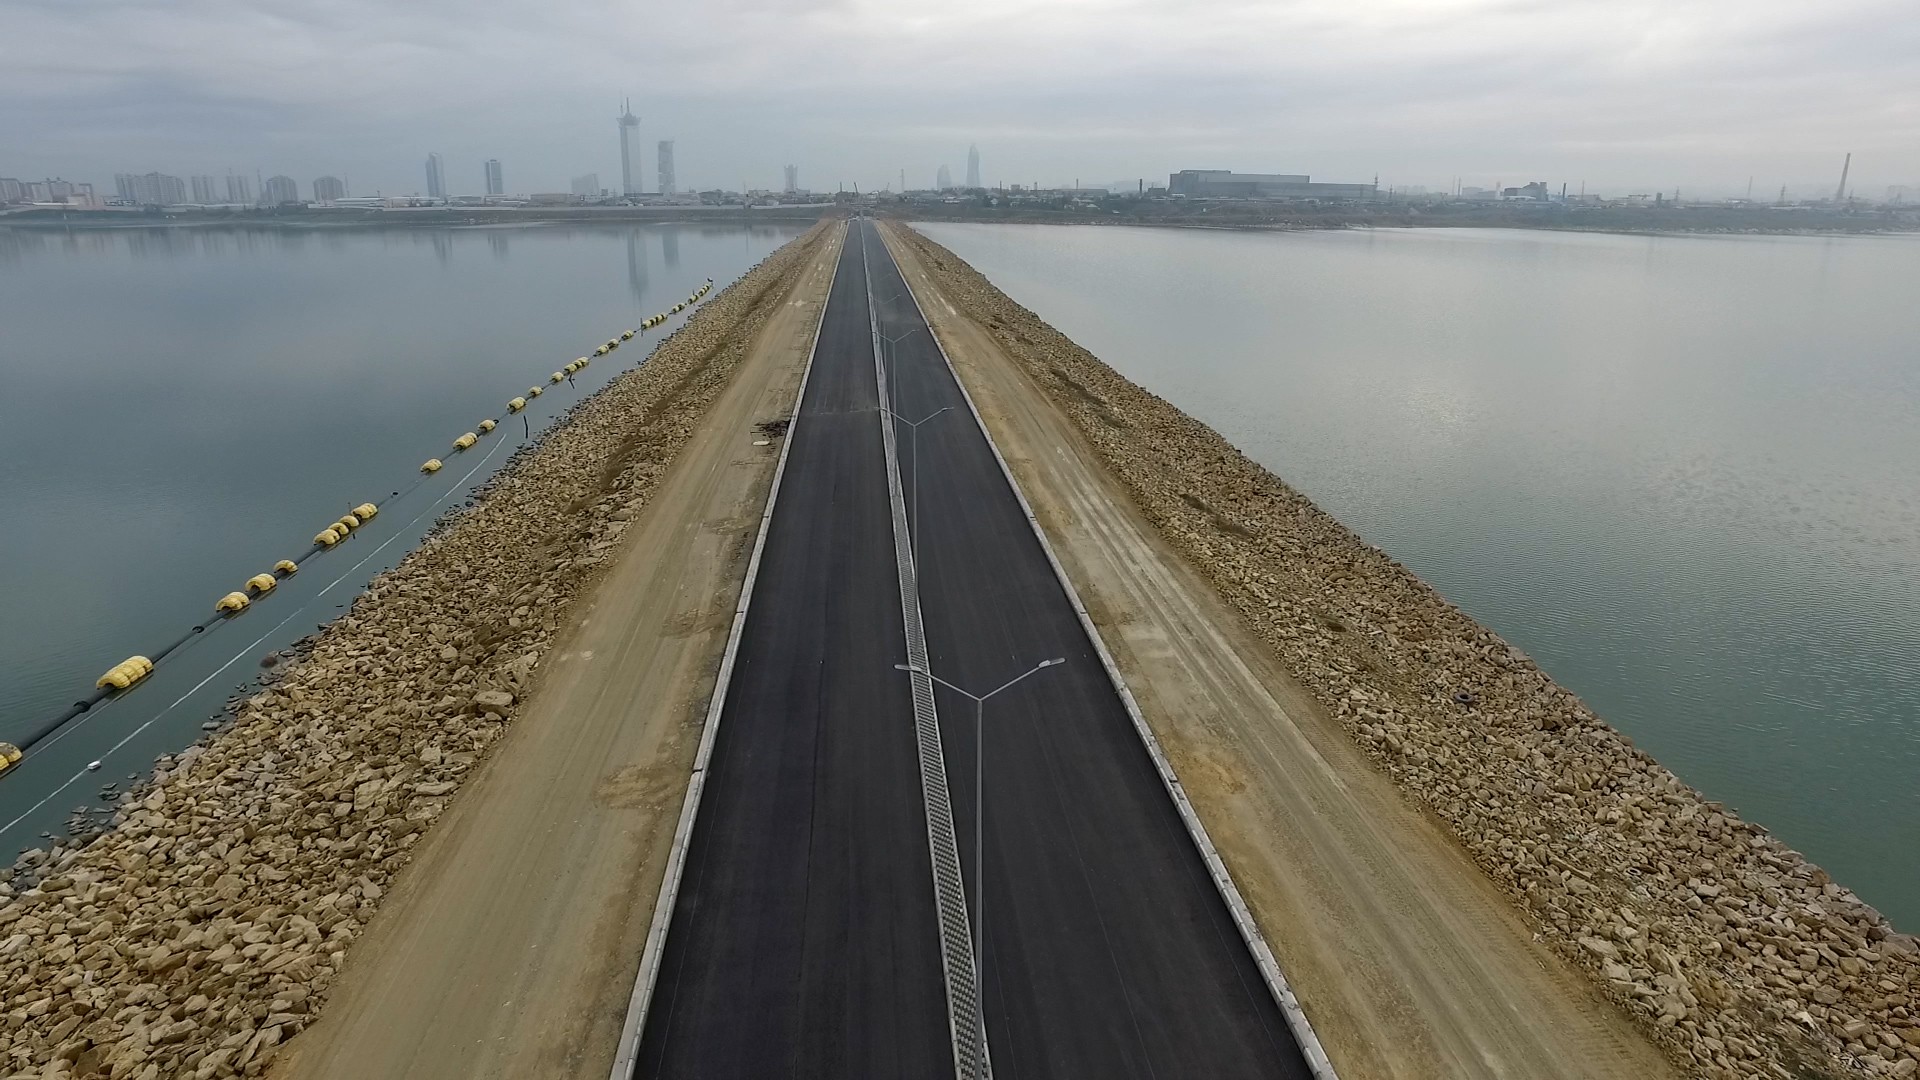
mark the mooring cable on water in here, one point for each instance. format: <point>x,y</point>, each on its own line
<point>247,650</point>
<point>124,676</point>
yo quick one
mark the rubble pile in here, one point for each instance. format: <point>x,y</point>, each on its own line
<point>203,930</point>
<point>1740,957</point>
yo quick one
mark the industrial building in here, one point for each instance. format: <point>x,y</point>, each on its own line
<point>1226,184</point>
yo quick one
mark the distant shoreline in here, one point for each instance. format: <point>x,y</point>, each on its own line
<point>1284,217</point>
<point>437,217</point>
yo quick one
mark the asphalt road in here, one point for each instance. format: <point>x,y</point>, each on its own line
<point>804,942</point>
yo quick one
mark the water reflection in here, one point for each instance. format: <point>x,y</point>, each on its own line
<point>636,265</point>
<point>194,400</point>
<point>1681,472</point>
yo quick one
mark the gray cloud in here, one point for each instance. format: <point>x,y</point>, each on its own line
<point>1619,93</point>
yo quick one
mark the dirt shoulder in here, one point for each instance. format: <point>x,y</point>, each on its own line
<point>1500,886</point>
<point>509,947</point>
<point>198,936</point>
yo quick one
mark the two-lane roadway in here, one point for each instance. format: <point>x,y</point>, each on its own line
<point>804,939</point>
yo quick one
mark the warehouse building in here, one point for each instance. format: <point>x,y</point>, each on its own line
<point>1225,184</point>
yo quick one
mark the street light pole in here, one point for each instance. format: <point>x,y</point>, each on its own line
<point>979,817</point>
<point>893,354</point>
<point>913,524</point>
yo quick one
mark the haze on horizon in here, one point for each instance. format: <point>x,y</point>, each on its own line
<point>1621,94</point>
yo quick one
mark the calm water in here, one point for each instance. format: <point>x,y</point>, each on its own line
<point>185,407</point>
<point>1682,473</point>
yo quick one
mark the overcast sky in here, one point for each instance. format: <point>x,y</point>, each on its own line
<point>1625,95</point>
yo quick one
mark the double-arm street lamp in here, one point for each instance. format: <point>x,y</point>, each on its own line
<point>913,522</point>
<point>979,841</point>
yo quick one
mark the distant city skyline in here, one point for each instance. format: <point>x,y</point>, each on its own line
<point>1419,94</point>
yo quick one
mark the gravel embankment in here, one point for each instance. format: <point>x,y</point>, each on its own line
<point>205,930</point>
<point>1740,957</point>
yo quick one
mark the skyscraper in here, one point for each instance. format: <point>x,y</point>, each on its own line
<point>238,190</point>
<point>282,189</point>
<point>629,130</point>
<point>436,177</point>
<point>667,185</point>
<point>793,178</point>
<point>973,166</point>
<point>329,189</point>
<point>943,180</point>
<point>203,190</point>
<point>495,186</point>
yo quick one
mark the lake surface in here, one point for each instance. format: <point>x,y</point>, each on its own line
<point>1682,473</point>
<point>185,407</point>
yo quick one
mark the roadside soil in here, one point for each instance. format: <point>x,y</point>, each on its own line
<point>1407,959</point>
<point>508,947</point>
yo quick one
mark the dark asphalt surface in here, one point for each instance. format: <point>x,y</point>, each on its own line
<point>1109,952</point>
<point>804,943</point>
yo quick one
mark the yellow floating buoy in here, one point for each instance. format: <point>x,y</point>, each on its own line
<point>328,536</point>
<point>233,602</point>
<point>365,511</point>
<point>557,376</point>
<point>286,568</point>
<point>601,351</point>
<point>9,756</point>
<point>514,405</point>
<point>534,392</point>
<point>465,441</point>
<point>487,425</point>
<point>125,673</point>
<point>261,584</point>
<point>345,526</point>
<point>626,335</point>
<point>431,465</point>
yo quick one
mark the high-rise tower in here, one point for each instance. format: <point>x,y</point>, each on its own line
<point>667,184</point>
<point>495,185</point>
<point>973,166</point>
<point>436,177</point>
<point>792,178</point>
<point>629,130</point>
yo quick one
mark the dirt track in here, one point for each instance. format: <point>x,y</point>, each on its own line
<point>1407,959</point>
<point>508,948</point>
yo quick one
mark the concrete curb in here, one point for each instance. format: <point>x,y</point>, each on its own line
<point>628,1051</point>
<point>1316,1055</point>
